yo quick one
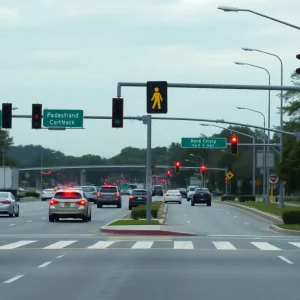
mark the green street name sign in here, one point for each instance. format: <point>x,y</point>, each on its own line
<point>216,143</point>
<point>61,118</point>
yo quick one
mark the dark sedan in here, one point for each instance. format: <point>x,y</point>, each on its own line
<point>201,195</point>
<point>137,197</point>
<point>157,190</point>
<point>183,192</point>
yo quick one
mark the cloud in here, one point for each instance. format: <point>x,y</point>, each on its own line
<point>48,55</point>
<point>7,14</point>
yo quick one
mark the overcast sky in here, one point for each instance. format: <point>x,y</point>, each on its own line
<point>70,54</point>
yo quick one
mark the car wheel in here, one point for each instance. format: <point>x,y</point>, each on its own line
<point>95,202</point>
<point>192,203</point>
<point>11,215</point>
<point>51,219</point>
<point>130,207</point>
<point>208,203</point>
<point>180,202</point>
<point>17,215</point>
<point>119,205</point>
<point>99,205</point>
<point>90,217</point>
<point>85,219</point>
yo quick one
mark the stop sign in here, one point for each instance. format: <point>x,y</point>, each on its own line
<point>273,178</point>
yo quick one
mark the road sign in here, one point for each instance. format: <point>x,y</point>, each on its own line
<point>229,175</point>
<point>216,143</point>
<point>258,181</point>
<point>27,175</point>
<point>273,178</point>
<point>61,118</point>
<point>157,97</point>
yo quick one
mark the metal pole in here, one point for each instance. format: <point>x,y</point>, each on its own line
<point>269,137</point>
<point>253,168</point>
<point>148,167</point>
<point>265,164</point>
<point>226,185</point>
<point>41,172</point>
<point>3,163</point>
<point>281,202</point>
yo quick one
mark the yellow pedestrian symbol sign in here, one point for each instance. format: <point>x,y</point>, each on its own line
<point>157,102</point>
<point>156,98</point>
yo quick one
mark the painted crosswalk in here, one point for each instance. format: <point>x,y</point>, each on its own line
<point>94,244</point>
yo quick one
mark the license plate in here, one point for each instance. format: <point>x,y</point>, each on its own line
<point>67,204</point>
<point>140,198</point>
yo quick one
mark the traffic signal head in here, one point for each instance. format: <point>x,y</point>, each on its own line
<point>6,115</point>
<point>226,180</point>
<point>36,116</point>
<point>234,145</point>
<point>298,70</point>
<point>177,167</point>
<point>203,169</point>
<point>168,173</point>
<point>117,112</point>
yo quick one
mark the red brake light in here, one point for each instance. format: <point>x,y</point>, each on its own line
<point>117,194</point>
<point>131,197</point>
<point>5,202</point>
<point>81,202</point>
<point>43,192</point>
<point>53,202</point>
<point>167,195</point>
<point>98,194</point>
<point>179,195</point>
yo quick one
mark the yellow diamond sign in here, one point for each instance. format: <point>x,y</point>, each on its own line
<point>229,175</point>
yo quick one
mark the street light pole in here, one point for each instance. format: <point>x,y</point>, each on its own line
<point>281,202</point>
<point>253,154</point>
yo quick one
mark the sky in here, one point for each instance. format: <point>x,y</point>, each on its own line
<point>71,54</point>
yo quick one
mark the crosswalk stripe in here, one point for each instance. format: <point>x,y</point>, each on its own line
<point>101,245</point>
<point>264,246</point>
<point>16,245</point>
<point>60,244</point>
<point>142,245</point>
<point>224,245</point>
<point>183,245</point>
<point>297,244</point>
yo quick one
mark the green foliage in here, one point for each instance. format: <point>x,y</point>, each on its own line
<point>244,198</point>
<point>139,212</point>
<point>291,217</point>
<point>228,198</point>
<point>32,194</point>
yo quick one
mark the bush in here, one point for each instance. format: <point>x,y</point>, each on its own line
<point>228,197</point>
<point>32,194</point>
<point>291,217</point>
<point>140,212</point>
<point>244,198</point>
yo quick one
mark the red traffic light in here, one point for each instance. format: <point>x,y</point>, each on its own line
<point>36,116</point>
<point>177,164</point>
<point>234,139</point>
<point>168,172</point>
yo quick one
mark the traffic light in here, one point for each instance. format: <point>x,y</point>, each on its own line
<point>226,180</point>
<point>168,173</point>
<point>117,112</point>
<point>298,70</point>
<point>234,145</point>
<point>36,116</point>
<point>177,167</point>
<point>6,115</point>
<point>203,169</point>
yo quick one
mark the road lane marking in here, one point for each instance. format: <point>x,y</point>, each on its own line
<point>297,244</point>
<point>29,221</point>
<point>246,223</point>
<point>16,245</point>
<point>142,245</point>
<point>183,245</point>
<point>43,218</point>
<point>286,260</point>
<point>235,217</point>
<point>11,225</point>
<point>188,221</point>
<point>186,215</point>
<point>60,244</point>
<point>60,256</point>
<point>13,279</point>
<point>227,212</point>
<point>264,246</point>
<point>224,246</point>
<point>45,264</point>
<point>222,209</point>
<point>101,245</point>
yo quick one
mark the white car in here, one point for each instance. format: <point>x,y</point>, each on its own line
<point>190,192</point>
<point>173,196</point>
<point>47,194</point>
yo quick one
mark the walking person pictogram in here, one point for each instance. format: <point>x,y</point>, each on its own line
<point>157,98</point>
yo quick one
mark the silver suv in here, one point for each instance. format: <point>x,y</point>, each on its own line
<point>109,195</point>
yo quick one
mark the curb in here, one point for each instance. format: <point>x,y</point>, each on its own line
<point>145,232</point>
<point>256,212</point>
<point>285,231</point>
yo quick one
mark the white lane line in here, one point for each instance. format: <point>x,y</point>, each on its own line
<point>183,245</point>
<point>246,223</point>
<point>297,244</point>
<point>264,246</point>
<point>13,279</point>
<point>60,244</point>
<point>60,256</point>
<point>29,221</point>
<point>186,215</point>
<point>16,245</point>
<point>45,264</point>
<point>286,260</point>
<point>224,246</point>
<point>235,217</point>
<point>11,225</point>
<point>188,221</point>
<point>101,245</point>
<point>142,245</point>
<point>43,218</point>
<point>221,208</point>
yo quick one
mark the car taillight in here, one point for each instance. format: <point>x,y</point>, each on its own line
<point>117,194</point>
<point>131,197</point>
<point>81,202</point>
<point>98,194</point>
<point>179,195</point>
<point>53,202</point>
<point>167,195</point>
<point>5,202</point>
<point>43,192</point>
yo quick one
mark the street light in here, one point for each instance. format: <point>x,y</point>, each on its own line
<point>266,198</point>
<point>253,155</point>
<point>202,180</point>
<point>198,157</point>
<point>281,203</point>
<point>236,9</point>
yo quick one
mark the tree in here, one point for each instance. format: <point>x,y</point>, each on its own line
<point>6,141</point>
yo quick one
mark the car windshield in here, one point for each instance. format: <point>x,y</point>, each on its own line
<point>88,189</point>
<point>4,195</point>
<point>172,192</point>
<point>157,187</point>
<point>67,195</point>
<point>202,190</point>
<point>182,189</point>
<point>106,189</point>
<point>139,192</point>
<point>192,189</point>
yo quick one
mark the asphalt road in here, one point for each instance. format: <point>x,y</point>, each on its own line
<point>217,219</point>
